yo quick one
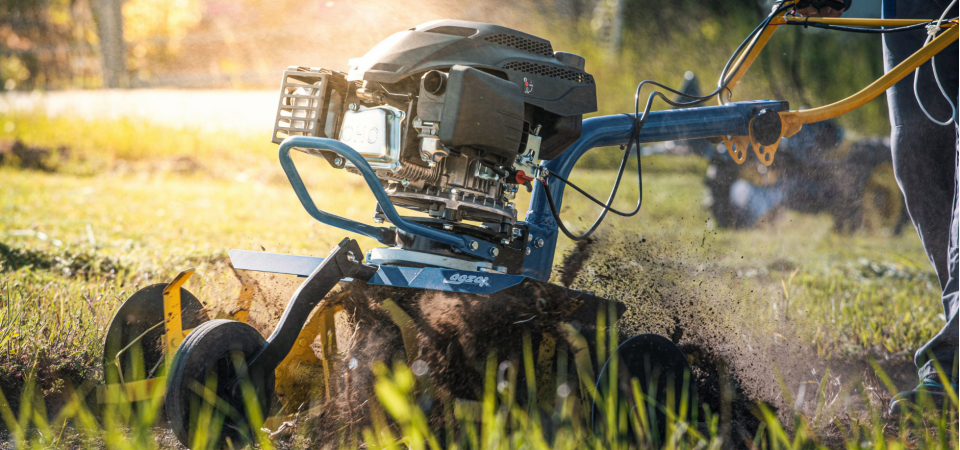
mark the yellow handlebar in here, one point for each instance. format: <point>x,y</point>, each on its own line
<point>793,121</point>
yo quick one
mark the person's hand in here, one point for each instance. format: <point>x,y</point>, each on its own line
<point>821,8</point>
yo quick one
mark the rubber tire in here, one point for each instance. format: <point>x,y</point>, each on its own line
<point>664,358</point>
<point>136,315</point>
<point>208,349</point>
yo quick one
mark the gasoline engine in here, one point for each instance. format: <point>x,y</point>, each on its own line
<point>454,117</point>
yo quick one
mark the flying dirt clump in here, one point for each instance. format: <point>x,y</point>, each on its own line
<point>573,261</point>
<point>733,340</point>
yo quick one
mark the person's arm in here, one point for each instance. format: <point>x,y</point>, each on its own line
<point>823,8</point>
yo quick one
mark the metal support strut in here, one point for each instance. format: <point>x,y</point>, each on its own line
<point>345,261</point>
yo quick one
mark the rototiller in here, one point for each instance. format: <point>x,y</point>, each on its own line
<point>449,119</point>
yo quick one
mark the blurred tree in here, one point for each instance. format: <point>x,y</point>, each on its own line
<point>46,43</point>
<point>155,29</point>
<point>607,24</point>
<point>109,19</point>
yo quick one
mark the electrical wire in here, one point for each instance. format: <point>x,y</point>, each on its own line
<point>932,30</point>
<point>848,29</point>
<point>640,120</point>
<point>605,207</point>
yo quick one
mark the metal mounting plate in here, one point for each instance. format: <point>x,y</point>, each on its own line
<point>398,256</point>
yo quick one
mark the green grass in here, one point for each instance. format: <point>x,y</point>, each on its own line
<point>93,146</point>
<point>77,241</point>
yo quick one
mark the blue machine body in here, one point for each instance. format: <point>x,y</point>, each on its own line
<point>669,125</point>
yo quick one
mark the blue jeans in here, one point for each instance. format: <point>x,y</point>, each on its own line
<point>925,158</point>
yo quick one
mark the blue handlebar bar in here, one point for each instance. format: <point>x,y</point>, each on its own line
<point>466,244</point>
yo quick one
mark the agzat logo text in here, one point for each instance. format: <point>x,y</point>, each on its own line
<point>461,278</point>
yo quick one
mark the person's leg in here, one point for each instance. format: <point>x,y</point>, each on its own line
<point>942,349</point>
<point>925,164</point>
<point>923,152</point>
<point>943,346</point>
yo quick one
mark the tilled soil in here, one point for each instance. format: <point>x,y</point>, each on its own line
<point>456,332</point>
<point>740,356</point>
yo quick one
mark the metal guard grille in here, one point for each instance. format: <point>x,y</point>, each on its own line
<point>301,103</point>
<point>517,42</point>
<point>550,71</point>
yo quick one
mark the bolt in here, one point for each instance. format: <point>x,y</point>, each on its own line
<point>454,191</point>
<point>474,245</point>
<point>504,241</point>
<point>527,251</point>
<point>353,106</point>
<point>494,252</point>
<point>425,156</point>
<point>448,226</point>
<point>538,243</point>
<point>404,183</point>
<point>395,167</point>
<point>378,219</point>
<point>338,161</point>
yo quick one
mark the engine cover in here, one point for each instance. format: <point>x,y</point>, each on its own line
<point>554,81</point>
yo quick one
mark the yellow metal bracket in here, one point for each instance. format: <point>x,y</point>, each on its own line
<point>408,329</point>
<point>248,289</point>
<point>737,147</point>
<point>173,323</point>
<point>296,374</point>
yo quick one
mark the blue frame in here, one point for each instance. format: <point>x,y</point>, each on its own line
<point>670,125</point>
<point>430,278</point>
<point>732,119</point>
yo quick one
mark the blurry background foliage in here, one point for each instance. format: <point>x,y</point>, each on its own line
<point>58,44</point>
<point>156,30</point>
